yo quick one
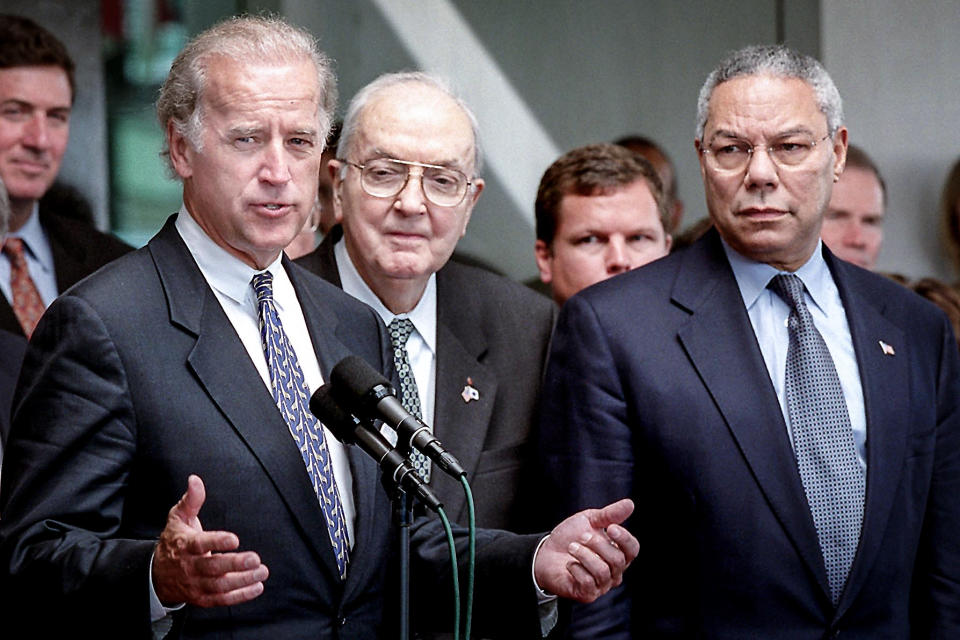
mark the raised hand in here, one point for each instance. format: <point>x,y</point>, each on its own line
<point>199,567</point>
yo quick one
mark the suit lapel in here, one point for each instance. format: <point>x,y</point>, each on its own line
<point>237,389</point>
<point>884,379</point>
<point>719,333</point>
<point>460,425</point>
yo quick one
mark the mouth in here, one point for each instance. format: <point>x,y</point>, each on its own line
<point>31,166</point>
<point>405,236</point>
<point>762,213</point>
<point>272,209</point>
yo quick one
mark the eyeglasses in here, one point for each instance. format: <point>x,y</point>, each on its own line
<point>735,155</point>
<point>386,177</point>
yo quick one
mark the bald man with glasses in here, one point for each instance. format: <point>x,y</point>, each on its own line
<point>405,184</point>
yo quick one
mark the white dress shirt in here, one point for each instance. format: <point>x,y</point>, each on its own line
<point>422,343</point>
<point>768,315</point>
<point>39,259</point>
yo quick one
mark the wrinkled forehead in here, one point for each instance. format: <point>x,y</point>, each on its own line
<point>416,122</point>
<point>763,104</point>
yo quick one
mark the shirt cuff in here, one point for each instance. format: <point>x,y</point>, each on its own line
<point>546,602</point>
<point>157,610</point>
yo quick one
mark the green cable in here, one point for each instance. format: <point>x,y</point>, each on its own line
<point>471,565</point>
<point>456,573</point>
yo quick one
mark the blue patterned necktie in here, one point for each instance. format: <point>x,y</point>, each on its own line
<point>293,399</point>
<point>832,476</point>
<point>400,330</point>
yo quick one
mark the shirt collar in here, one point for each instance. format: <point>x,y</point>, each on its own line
<point>223,271</point>
<point>31,233</point>
<point>423,316</point>
<point>752,277</point>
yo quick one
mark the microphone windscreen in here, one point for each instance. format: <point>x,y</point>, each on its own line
<point>352,378</point>
<point>341,423</point>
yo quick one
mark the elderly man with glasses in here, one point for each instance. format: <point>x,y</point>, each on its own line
<point>787,424</point>
<point>473,343</point>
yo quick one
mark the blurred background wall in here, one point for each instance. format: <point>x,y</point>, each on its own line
<point>543,76</point>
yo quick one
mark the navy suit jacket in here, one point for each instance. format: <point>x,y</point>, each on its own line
<point>656,388</point>
<point>493,334</point>
<point>135,379</point>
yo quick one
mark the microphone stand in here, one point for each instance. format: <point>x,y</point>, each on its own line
<point>402,509</point>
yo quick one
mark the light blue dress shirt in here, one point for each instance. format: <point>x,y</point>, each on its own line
<point>768,315</point>
<point>39,259</point>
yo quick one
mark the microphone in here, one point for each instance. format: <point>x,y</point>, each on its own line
<point>349,430</point>
<point>360,387</point>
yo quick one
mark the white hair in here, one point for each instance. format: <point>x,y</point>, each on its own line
<point>779,61</point>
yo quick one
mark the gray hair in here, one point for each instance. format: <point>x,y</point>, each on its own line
<point>779,61</point>
<point>360,101</point>
<point>5,211</point>
<point>253,39</point>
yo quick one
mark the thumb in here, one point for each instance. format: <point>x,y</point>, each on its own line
<point>614,513</point>
<point>188,508</point>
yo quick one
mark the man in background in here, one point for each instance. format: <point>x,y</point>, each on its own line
<point>853,224</point>
<point>600,211</point>
<point>405,184</point>
<point>657,156</point>
<point>45,251</point>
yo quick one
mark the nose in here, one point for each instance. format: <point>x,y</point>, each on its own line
<point>617,259</point>
<point>853,235</point>
<point>411,200</point>
<point>36,132</point>
<point>274,167</point>
<point>761,171</point>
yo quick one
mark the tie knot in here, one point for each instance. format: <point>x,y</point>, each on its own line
<point>13,247</point>
<point>263,286</point>
<point>400,330</point>
<point>790,289</point>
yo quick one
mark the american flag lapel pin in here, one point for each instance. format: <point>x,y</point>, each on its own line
<point>469,392</point>
<point>887,349</point>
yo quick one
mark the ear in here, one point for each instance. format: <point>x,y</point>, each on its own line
<point>181,152</point>
<point>668,241</point>
<point>336,177</point>
<point>839,152</point>
<point>472,196</point>
<point>544,260</point>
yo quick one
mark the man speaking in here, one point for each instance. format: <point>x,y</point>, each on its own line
<point>189,364</point>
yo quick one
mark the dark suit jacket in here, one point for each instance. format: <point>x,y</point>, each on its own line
<point>12,347</point>
<point>78,250</point>
<point>494,333</point>
<point>657,389</point>
<point>135,379</point>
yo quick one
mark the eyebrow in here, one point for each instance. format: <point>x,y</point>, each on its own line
<point>31,105</point>
<point>451,164</point>
<point>724,133</point>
